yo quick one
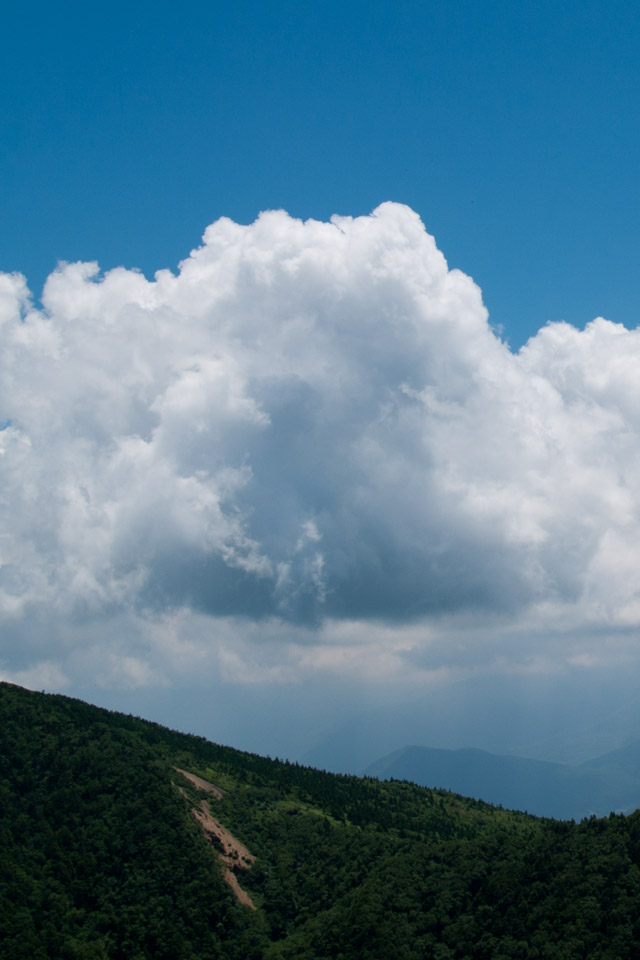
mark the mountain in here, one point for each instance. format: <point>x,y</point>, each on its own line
<point>562,719</point>
<point>122,840</point>
<point>625,760</point>
<point>612,782</point>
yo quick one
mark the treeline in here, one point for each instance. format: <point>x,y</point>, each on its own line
<point>101,858</point>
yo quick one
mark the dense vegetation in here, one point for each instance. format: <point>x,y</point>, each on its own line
<point>101,857</point>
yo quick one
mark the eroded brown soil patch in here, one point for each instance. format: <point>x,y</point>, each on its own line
<point>231,852</point>
<point>201,784</point>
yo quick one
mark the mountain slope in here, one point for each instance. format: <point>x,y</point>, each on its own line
<point>625,760</point>
<point>119,839</point>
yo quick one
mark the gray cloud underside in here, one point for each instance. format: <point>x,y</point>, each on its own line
<point>310,421</point>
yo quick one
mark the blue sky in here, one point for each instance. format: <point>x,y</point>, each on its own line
<point>510,128</point>
<point>303,470</point>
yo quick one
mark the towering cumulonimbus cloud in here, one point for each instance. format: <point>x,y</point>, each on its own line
<point>310,421</point>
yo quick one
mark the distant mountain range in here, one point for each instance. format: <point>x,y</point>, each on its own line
<point>551,719</point>
<point>607,783</point>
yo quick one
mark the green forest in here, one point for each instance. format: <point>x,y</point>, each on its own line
<point>117,841</point>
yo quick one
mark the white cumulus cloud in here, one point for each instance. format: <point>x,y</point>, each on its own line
<point>309,424</point>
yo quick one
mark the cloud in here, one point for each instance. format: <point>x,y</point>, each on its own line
<point>310,424</point>
<point>42,675</point>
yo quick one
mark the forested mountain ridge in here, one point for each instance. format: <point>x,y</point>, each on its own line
<point>101,856</point>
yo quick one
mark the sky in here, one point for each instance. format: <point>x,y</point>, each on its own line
<point>319,406</point>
